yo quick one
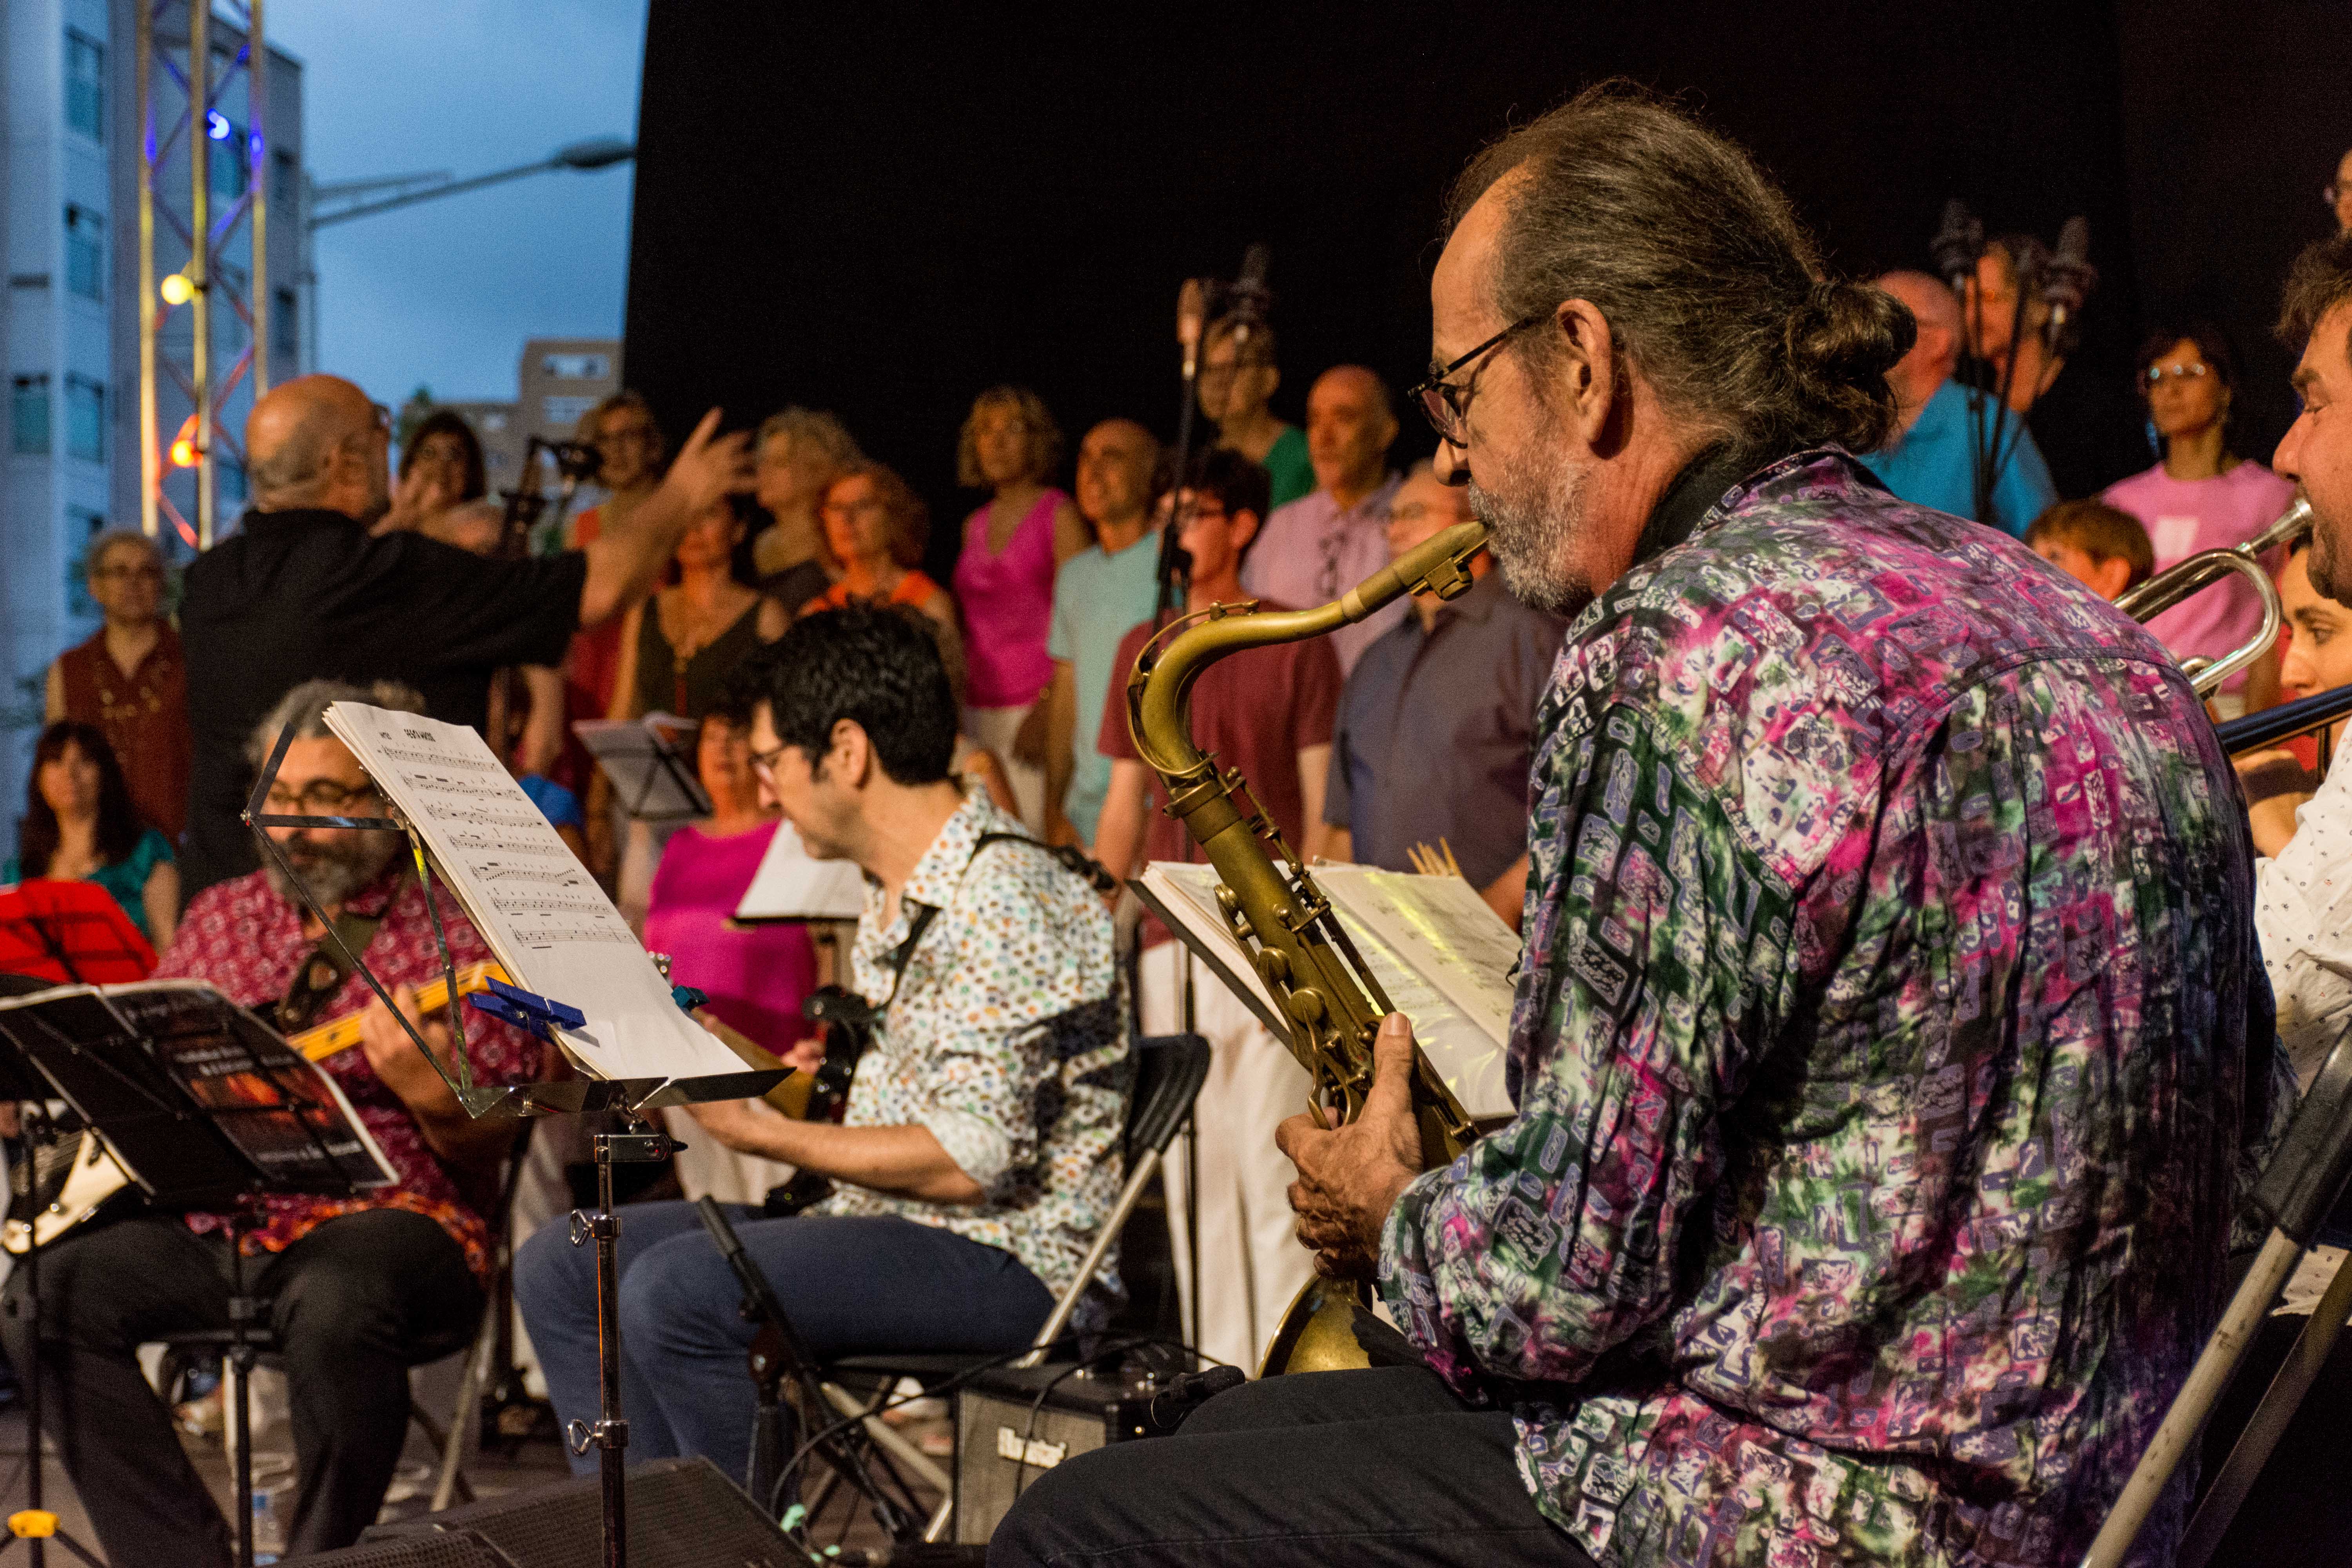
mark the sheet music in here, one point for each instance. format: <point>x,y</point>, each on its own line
<point>793,885</point>
<point>1457,1041</point>
<point>1443,928</point>
<point>541,913</point>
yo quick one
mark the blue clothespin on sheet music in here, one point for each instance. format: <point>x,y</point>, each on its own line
<point>689,997</point>
<point>533,1014</point>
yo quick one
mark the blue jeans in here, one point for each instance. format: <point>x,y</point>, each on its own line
<point>852,1286</point>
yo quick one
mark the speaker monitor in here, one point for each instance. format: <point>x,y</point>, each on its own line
<point>683,1513</point>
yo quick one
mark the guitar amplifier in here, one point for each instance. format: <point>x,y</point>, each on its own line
<point>1016,1422</point>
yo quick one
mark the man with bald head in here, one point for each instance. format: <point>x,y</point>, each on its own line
<point>1322,544</point>
<point>1098,594</point>
<point>1930,461</point>
<point>303,592</point>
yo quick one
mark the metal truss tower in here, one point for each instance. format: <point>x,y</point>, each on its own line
<point>191,64</point>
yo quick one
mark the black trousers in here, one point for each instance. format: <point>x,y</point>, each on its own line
<point>1382,1466</point>
<point>355,1304</point>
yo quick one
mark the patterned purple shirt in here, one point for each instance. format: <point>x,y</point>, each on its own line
<point>1879,1053</point>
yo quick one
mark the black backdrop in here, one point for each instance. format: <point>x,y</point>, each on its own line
<point>882,210</point>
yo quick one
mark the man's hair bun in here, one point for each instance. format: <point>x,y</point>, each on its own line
<point>1843,339</point>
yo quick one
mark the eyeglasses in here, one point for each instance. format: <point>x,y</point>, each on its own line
<point>148,573</point>
<point>319,797</point>
<point>1446,403</point>
<point>764,762</point>
<point>2156,373</point>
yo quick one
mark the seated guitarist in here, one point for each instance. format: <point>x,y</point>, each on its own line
<point>358,1288</point>
<point>980,1152</point>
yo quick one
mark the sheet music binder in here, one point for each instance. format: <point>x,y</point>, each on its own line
<point>199,1101</point>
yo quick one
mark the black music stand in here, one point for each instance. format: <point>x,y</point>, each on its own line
<point>204,1108</point>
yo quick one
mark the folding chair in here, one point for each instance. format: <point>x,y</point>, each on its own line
<point>1169,1071</point>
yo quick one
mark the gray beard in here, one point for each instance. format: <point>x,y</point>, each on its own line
<point>333,870</point>
<point>1533,510</point>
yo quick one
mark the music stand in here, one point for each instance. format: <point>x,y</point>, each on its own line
<point>654,779</point>
<point>70,934</point>
<point>143,1066</point>
<point>635,1142</point>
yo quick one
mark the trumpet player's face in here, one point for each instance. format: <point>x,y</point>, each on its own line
<point>2316,451</point>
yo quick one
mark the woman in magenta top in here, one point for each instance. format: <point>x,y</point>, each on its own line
<point>2203,497</point>
<point>1004,580</point>
<point>756,977</point>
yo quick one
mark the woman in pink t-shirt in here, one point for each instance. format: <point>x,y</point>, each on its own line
<point>1004,580</point>
<point>2202,497</point>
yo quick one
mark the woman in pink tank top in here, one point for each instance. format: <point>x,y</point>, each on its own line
<point>1004,580</point>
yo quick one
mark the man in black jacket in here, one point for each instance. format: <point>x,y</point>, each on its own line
<point>303,592</point>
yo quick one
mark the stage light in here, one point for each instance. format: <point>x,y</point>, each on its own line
<point>184,446</point>
<point>216,125</point>
<point>176,289</point>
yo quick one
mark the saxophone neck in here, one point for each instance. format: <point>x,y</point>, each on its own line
<point>1160,684</point>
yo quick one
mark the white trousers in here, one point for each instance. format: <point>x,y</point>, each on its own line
<point>1250,1261</point>
<point>992,729</point>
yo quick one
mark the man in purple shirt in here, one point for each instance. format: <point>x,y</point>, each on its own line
<point>1889,1028</point>
<point>1322,544</point>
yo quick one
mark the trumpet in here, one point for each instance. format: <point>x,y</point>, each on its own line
<point>2202,571</point>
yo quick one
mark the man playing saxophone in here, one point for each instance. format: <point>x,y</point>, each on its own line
<point>1882,1040</point>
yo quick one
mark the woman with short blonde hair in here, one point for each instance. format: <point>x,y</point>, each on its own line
<point>799,452</point>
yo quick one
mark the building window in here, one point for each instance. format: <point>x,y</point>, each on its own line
<point>85,85</point>
<point>29,417</point>
<point>282,178</point>
<point>85,419</point>
<point>83,525</point>
<point>85,252</point>
<point>230,170</point>
<point>576,367</point>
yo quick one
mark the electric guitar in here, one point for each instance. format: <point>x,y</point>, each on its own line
<point>78,1179</point>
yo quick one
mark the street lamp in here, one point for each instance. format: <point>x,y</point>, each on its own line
<point>597,153</point>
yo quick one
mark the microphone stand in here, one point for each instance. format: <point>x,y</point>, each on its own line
<point>1165,597</point>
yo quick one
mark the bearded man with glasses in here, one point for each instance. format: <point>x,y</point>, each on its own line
<point>1889,1027</point>
<point>358,1288</point>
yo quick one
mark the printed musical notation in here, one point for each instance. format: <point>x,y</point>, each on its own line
<point>480,817</point>
<point>543,916</point>
<point>418,754</point>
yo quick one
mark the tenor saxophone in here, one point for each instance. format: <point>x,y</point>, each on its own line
<point>1330,1001</point>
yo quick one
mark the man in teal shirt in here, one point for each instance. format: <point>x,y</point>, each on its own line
<point>1098,595</point>
<point>1930,462</point>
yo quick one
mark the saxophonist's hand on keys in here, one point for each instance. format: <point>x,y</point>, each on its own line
<point>1349,1177</point>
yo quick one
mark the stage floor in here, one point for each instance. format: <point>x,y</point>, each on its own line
<point>537,1463</point>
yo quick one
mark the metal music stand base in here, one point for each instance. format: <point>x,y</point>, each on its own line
<point>638,1143</point>
<point>34,1525</point>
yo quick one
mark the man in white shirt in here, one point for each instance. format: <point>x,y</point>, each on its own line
<point>2304,891</point>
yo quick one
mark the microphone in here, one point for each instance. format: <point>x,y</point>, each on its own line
<point>1250,299</point>
<point>1957,243</point>
<point>2068,277</point>
<point>1191,315</point>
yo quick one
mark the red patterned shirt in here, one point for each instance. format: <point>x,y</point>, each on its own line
<point>247,940</point>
